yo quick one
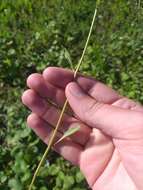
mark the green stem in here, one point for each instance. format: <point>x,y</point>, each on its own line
<point>49,146</point>
<point>65,104</point>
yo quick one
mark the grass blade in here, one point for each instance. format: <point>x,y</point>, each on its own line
<point>68,58</point>
<point>68,133</point>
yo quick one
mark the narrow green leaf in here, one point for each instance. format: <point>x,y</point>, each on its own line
<point>139,4</point>
<point>68,57</point>
<point>69,132</point>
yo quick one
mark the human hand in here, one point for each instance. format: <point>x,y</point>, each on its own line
<point>109,146</point>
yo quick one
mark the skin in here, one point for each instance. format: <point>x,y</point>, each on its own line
<point>109,146</point>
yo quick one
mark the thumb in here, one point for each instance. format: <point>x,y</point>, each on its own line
<point>113,121</point>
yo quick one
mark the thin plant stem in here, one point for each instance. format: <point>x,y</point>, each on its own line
<point>49,145</point>
<point>86,44</point>
<point>64,106</point>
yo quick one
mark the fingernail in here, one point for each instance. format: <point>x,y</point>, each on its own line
<point>75,90</point>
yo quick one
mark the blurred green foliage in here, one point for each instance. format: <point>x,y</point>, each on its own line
<point>36,34</point>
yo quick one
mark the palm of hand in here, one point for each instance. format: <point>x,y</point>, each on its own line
<point>98,155</point>
<point>101,162</point>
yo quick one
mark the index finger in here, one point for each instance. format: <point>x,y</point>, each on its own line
<point>61,77</point>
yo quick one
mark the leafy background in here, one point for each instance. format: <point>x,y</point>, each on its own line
<point>36,34</point>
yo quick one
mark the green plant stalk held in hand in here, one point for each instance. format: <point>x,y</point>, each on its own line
<point>75,129</point>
